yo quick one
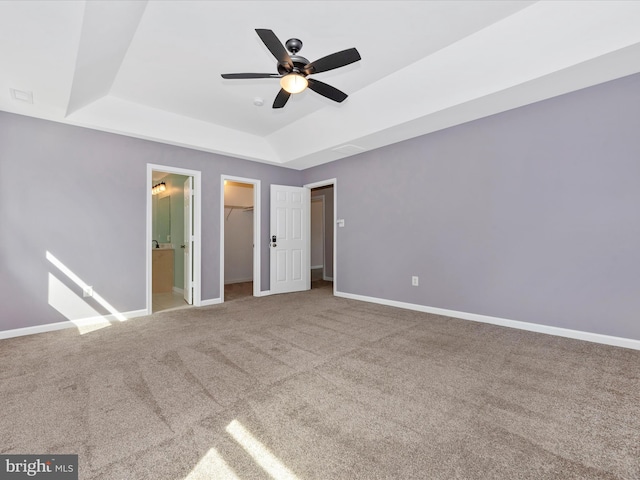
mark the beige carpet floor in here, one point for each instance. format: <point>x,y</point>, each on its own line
<point>310,386</point>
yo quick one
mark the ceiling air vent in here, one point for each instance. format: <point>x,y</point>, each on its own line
<point>348,149</point>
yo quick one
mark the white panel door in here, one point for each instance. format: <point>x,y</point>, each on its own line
<point>187,244</point>
<point>289,240</point>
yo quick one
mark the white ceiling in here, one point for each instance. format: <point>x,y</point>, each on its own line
<point>151,69</point>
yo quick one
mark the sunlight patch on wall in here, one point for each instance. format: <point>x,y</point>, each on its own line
<point>65,301</point>
<point>78,281</point>
<point>74,307</point>
<point>260,454</point>
<point>212,465</point>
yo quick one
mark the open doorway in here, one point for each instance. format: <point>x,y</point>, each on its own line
<point>239,232</point>
<point>322,235</point>
<point>173,234</point>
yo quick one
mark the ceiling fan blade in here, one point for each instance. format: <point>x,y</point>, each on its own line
<point>236,76</point>
<point>325,90</point>
<point>281,98</point>
<point>335,60</point>
<point>275,47</point>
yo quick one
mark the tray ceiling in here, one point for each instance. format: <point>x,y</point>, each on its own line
<point>152,69</point>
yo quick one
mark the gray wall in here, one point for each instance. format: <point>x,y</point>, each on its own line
<point>529,215</point>
<point>81,195</point>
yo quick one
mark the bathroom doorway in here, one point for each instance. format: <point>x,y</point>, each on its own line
<point>173,230</point>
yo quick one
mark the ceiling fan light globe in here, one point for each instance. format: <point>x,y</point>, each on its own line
<point>293,83</point>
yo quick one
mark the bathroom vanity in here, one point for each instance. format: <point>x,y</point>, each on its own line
<point>162,270</point>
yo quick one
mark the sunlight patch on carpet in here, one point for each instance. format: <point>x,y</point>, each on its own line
<point>260,454</point>
<point>212,465</point>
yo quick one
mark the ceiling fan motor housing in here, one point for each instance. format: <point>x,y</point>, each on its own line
<point>298,64</point>
<point>294,45</point>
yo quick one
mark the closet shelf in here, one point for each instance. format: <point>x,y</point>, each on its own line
<point>241,207</point>
<point>244,207</point>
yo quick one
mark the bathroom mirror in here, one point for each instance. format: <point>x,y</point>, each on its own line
<point>163,220</point>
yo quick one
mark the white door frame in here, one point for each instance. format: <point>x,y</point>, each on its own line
<point>256,231</point>
<point>197,231</point>
<point>325,183</point>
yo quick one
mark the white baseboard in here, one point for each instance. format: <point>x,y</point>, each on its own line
<point>327,279</point>
<point>532,327</point>
<point>264,293</point>
<point>178,290</point>
<point>317,267</point>
<point>83,322</point>
<point>211,301</point>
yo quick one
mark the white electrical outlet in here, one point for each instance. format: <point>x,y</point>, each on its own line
<point>340,222</point>
<point>414,281</point>
<point>87,291</point>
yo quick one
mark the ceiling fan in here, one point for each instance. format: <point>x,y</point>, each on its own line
<point>293,70</point>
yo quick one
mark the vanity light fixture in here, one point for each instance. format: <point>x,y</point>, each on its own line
<point>159,188</point>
